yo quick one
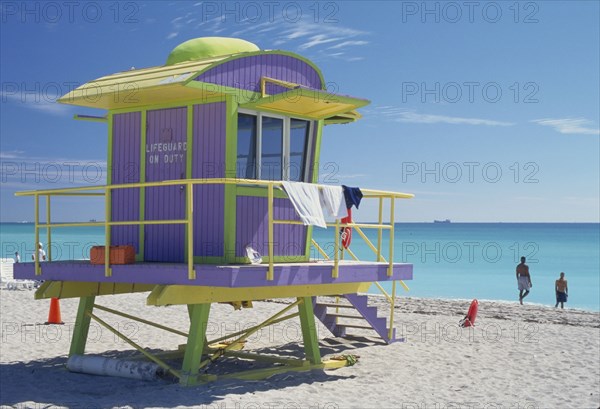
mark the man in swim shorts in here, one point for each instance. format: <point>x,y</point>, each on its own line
<point>523,280</point>
<point>562,291</point>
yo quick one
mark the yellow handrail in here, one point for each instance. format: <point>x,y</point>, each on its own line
<point>106,191</point>
<point>215,181</point>
<point>270,272</point>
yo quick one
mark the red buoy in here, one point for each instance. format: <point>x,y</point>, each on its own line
<point>346,232</point>
<point>469,320</point>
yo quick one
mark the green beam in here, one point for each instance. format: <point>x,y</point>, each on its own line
<point>142,231</point>
<point>230,172</point>
<point>196,343</point>
<point>309,330</point>
<point>82,325</point>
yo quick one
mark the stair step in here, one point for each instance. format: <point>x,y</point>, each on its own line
<point>354,326</point>
<point>333,314</point>
<point>332,304</point>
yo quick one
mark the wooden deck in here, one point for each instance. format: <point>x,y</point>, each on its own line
<point>231,276</point>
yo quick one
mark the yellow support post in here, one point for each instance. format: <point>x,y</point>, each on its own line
<point>352,254</point>
<point>48,233</point>
<point>366,239</point>
<point>190,232</point>
<point>336,249</point>
<point>107,219</point>
<point>391,259</point>
<point>36,252</point>
<point>319,249</point>
<point>379,230</point>
<point>387,296</point>
<point>270,271</point>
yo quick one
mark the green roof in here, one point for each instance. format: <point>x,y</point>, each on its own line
<point>208,47</point>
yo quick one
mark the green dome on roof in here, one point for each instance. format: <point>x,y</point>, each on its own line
<point>208,47</point>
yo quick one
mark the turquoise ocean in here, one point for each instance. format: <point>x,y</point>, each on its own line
<point>451,260</point>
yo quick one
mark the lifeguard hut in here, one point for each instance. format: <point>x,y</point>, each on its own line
<point>197,152</point>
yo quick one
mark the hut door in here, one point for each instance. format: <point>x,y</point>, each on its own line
<point>166,146</point>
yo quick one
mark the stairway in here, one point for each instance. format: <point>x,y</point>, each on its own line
<point>335,321</point>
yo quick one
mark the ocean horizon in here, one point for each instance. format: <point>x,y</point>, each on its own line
<point>457,260</point>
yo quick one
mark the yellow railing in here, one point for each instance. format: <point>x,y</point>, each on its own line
<point>106,191</point>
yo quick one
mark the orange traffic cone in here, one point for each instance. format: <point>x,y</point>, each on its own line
<point>54,313</point>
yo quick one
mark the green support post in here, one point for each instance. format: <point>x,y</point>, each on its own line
<point>195,344</point>
<point>309,330</point>
<point>82,325</point>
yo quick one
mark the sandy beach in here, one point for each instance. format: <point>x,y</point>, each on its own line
<point>526,356</point>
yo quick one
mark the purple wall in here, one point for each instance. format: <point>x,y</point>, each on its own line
<point>245,73</point>
<point>167,128</point>
<point>166,138</point>
<point>252,224</point>
<point>209,162</point>
<point>126,134</point>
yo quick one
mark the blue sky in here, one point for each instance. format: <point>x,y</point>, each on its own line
<point>487,111</point>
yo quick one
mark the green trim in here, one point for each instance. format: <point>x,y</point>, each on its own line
<point>109,157</point>
<point>250,54</point>
<point>142,234</point>
<point>89,118</point>
<point>190,141</point>
<point>188,163</point>
<point>260,191</point>
<point>82,325</point>
<point>309,330</point>
<point>230,191</point>
<point>315,177</point>
<point>309,234</point>
<point>242,96</point>
<point>195,343</point>
<point>317,153</point>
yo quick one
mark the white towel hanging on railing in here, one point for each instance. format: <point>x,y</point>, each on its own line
<point>305,198</point>
<point>332,199</point>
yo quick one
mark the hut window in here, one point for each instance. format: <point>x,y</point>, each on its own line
<point>272,147</point>
<point>246,149</point>
<point>298,146</point>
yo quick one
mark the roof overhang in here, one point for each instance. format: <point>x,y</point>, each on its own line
<point>343,118</point>
<point>130,89</point>
<point>309,103</point>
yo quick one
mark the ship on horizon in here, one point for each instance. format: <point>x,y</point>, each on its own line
<point>442,221</point>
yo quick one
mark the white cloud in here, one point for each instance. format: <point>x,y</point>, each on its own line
<point>10,154</point>
<point>401,115</point>
<point>19,169</point>
<point>348,43</point>
<point>172,35</point>
<point>37,101</point>
<point>321,40</point>
<point>569,125</point>
<point>317,40</point>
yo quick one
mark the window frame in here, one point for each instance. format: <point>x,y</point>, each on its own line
<point>285,143</point>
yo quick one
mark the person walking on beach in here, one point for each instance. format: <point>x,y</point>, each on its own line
<point>562,291</point>
<point>523,280</point>
<point>41,253</point>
